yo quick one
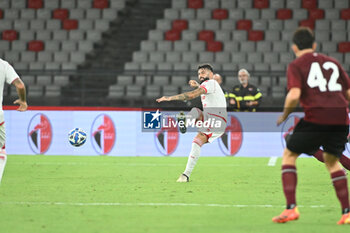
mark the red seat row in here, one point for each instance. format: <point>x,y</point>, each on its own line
<point>70,24</point>
<point>214,46</point>
<point>63,14</point>
<point>195,4</point>
<point>177,27</point>
<point>284,14</point>
<point>60,13</point>
<point>220,14</point>
<point>345,14</point>
<point>344,47</point>
<point>173,35</point>
<point>259,4</point>
<point>36,45</point>
<point>205,35</point>
<point>209,37</point>
<point>9,35</point>
<point>36,4</point>
<point>100,4</point>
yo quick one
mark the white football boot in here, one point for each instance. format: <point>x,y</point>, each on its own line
<point>183,179</point>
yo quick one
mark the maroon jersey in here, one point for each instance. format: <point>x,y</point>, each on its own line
<point>323,83</point>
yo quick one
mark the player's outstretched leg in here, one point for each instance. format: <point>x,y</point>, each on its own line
<point>340,184</point>
<point>181,120</point>
<point>3,159</point>
<point>344,160</point>
<point>319,155</point>
<point>194,115</point>
<point>289,181</point>
<point>198,141</point>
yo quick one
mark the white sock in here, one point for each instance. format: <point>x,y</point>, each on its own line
<point>192,158</point>
<point>3,159</point>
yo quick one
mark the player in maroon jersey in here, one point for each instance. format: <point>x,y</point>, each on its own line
<point>323,89</point>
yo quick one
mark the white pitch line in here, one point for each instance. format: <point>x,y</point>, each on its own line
<point>131,164</point>
<point>151,204</point>
<point>272,161</point>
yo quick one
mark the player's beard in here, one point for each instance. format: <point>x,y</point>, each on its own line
<point>203,80</point>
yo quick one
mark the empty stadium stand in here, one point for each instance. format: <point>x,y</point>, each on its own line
<point>115,52</point>
<point>251,34</point>
<point>50,37</point>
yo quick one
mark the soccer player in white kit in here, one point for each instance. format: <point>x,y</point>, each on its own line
<point>214,108</point>
<point>9,75</point>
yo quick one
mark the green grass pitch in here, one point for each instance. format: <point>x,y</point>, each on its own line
<point>73,194</point>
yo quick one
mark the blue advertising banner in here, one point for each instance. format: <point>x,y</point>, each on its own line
<point>121,133</point>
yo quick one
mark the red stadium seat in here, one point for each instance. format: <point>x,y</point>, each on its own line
<point>260,4</point>
<point>345,14</point>
<point>214,46</point>
<point>244,24</point>
<point>256,35</point>
<point>35,4</point>
<point>195,4</point>
<point>220,14</point>
<point>100,4</point>
<point>316,14</point>
<point>307,23</point>
<point>36,45</point>
<point>309,4</point>
<point>344,47</point>
<point>9,35</point>
<point>60,13</point>
<point>284,14</point>
<point>70,24</point>
<point>180,24</point>
<point>206,35</point>
<point>173,35</point>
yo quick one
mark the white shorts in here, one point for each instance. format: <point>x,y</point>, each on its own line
<point>2,135</point>
<point>213,133</point>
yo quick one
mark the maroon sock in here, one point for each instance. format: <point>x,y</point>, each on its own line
<point>340,184</point>
<point>319,155</point>
<point>289,182</point>
<point>345,161</point>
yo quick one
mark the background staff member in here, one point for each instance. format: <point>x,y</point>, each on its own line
<point>245,97</point>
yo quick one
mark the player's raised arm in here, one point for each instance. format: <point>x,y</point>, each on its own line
<point>193,83</point>
<point>183,96</point>
<point>21,91</point>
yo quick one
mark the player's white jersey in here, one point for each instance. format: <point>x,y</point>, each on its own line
<point>213,100</point>
<point>7,74</point>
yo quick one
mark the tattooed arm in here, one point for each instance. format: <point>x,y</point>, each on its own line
<point>184,96</point>
<point>21,91</point>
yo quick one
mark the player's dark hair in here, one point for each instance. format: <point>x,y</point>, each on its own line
<point>206,66</point>
<point>303,38</point>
